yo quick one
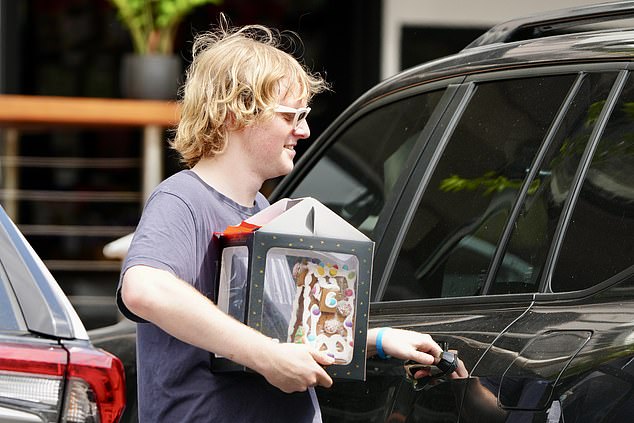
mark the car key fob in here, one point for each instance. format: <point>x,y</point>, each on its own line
<point>447,365</point>
<point>448,362</point>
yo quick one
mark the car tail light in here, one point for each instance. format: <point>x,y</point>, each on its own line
<point>32,379</point>
<point>81,385</point>
<point>96,384</point>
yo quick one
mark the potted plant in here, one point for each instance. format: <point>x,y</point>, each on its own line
<point>153,70</point>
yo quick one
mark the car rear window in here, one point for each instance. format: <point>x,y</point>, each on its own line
<point>8,307</point>
<point>534,229</point>
<point>599,241</point>
<point>453,236</point>
<point>11,317</point>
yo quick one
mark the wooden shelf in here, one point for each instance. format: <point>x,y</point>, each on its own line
<point>21,113</point>
<point>21,110</point>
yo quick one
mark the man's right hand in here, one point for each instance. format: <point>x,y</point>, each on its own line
<point>294,367</point>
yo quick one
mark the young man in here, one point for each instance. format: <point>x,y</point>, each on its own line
<point>243,112</point>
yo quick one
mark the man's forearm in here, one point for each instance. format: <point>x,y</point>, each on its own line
<point>180,310</point>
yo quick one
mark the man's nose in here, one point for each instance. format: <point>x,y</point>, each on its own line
<point>302,130</point>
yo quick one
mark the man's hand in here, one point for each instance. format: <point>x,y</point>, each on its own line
<point>406,345</point>
<point>294,367</point>
<point>461,371</point>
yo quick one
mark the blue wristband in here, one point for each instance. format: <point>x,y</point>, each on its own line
<point>379,345</point>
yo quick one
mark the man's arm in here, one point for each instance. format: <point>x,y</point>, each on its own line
<point>180,310</point>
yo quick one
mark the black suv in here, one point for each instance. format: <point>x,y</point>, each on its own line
<point>498,185</point>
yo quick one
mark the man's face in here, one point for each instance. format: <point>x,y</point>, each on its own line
<point>270,145</point>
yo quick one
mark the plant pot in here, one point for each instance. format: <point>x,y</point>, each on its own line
<point>152,76</point>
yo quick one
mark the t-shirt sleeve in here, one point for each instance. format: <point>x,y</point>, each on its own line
<point>164,239</point>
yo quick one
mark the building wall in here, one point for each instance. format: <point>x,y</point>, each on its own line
<point>480,14</point>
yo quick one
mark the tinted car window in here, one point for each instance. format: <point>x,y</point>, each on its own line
<point>605,205</point>
<point>534,228</point>
<point>10,314</point>
<point>8,309</point>
<point>355,175</point>
<point>450,242</point>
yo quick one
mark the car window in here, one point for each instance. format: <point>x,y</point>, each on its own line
<point>8,306</point>
<point>355,175</point>
<point>533,230</point>
<point>599,241</point>
<point>453,235</point>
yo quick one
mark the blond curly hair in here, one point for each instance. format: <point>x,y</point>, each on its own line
<point>235,79</point>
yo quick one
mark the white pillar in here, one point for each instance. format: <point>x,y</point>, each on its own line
<point>152,161</point>
<point>11,176</point>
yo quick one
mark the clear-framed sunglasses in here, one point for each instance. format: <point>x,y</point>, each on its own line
<point>299,114</point>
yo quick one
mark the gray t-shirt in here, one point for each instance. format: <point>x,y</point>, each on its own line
<point>175,383</point>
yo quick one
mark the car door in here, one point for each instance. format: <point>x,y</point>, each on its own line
<point>461,197</point>
<point>569,357</point>
<point>436,246</point>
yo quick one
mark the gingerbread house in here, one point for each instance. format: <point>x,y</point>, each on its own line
<point>298,272</point>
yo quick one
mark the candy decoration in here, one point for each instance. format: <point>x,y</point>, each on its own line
<point>331,301</point>
<point>332,326</point>
<point>299,335</point>
<point>344,308</point>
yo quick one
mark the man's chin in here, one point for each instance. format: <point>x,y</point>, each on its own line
<point>281,173</point>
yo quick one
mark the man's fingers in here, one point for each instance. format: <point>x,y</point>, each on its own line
<point>323,379</point>
<point>322,358</point>
<point>423,358</point>
<point>422,373</point>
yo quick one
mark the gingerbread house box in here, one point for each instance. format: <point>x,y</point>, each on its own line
<point>298,272</point>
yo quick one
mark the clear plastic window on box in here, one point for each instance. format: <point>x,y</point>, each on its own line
<point>310,297</point>
<point>232,289</point>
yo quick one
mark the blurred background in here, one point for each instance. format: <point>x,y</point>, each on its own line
<point>72,189</point>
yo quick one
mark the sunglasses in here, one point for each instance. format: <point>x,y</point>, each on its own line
<point>299,114</point>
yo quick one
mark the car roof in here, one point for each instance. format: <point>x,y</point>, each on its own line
<point>540,25</point>
<point>504,47</point>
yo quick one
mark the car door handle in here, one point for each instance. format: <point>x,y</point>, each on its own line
<point>447,365</point>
